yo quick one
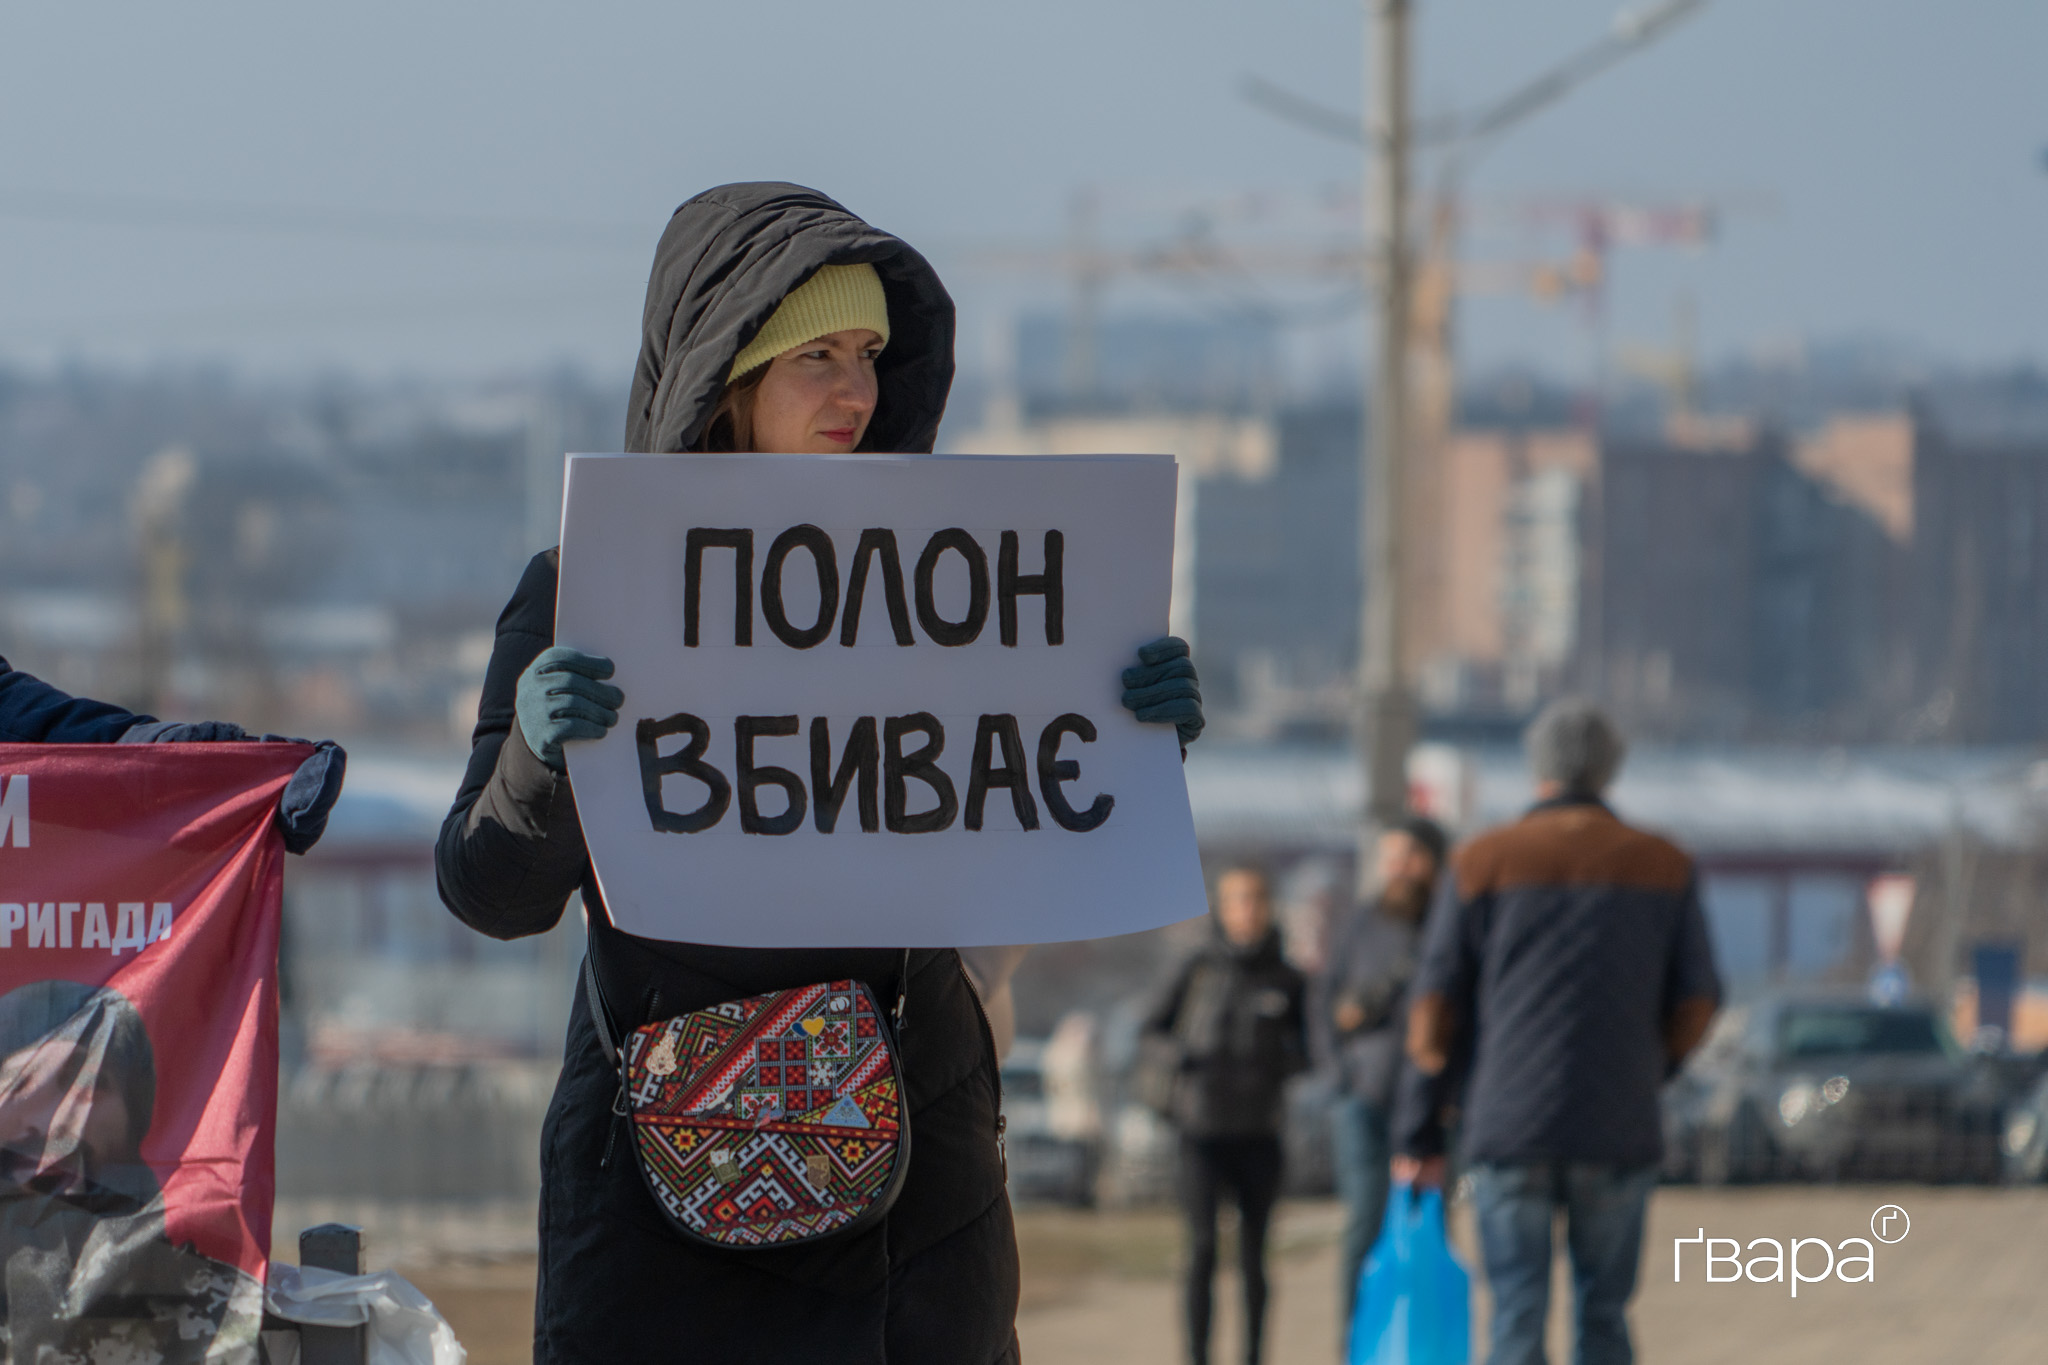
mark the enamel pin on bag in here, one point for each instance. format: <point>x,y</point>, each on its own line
<point>776,1120</point>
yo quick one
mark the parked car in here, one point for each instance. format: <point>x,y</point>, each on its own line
<point>2026,1136</point>
<point>1048,1160</point>
<point>1832,1087</point>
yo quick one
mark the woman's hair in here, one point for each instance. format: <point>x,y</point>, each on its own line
<point>731,427</point>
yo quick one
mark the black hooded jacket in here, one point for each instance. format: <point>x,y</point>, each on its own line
<point>1235,1015</point>
<point>937,1280</point>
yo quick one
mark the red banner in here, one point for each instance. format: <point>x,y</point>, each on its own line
<point>140,891</point>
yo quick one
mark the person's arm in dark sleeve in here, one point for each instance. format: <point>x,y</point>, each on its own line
<point>511,851</point>
<point>1324,1038</point>
<point>1440,1000</point>
<point>1374,985</point>
<point>1417,1128</point>
<point>33,712</point>
<point>1692,986</point>
<point>1297,1053</point>
<point>1440,1018</point>
<point>1322,1033</point>
<point>1164,1012</point>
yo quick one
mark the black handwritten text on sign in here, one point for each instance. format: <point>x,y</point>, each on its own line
<point>874,768</point>
<point>876,554</point>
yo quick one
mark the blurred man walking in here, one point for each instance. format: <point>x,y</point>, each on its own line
<point>1234,1019</point>
<point>1358,1030</point>
<point>1568,965</point>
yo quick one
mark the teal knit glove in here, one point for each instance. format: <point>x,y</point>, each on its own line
<point>1164,688</point>
<point>563,696</point>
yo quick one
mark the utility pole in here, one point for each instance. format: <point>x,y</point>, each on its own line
<point>1385,717</point>
<point>544,470</point>
<point>163,608</point>
<point>1386,710</point>
<point>1091,271</point>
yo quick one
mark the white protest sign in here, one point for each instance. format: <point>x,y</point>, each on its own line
<point>873,701</point>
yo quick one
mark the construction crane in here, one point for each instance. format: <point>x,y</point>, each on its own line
<point>1197,257</point>
<point>1239,272</point>
<point>1461,139</point>
<point>1195,254</point>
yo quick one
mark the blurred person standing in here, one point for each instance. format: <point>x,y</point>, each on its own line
<point>1567,971</point>
<point>1235,1018</point>
<point>1358,1026</point>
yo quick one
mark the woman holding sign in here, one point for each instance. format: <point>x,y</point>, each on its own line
<point>776,322</point>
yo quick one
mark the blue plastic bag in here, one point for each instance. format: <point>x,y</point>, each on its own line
<point>1414,1305</point>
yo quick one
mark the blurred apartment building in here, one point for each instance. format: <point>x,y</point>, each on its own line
<point>1877,578</point>
<point>323,558</point>
<point>1839,575</point>
<point>326,559</point>
<point>331,558</point>
<point>1854,577</point>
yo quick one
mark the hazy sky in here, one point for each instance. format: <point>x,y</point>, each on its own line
<point>1882,160</point>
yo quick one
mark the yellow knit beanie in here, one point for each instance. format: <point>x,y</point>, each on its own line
<point>838,298</point>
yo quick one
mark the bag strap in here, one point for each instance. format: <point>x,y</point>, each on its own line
<point>600,1012</point>
<point>600,1015</point>
<point>902,990</point>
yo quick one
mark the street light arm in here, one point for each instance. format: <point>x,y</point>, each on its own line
<point>1302,111</point>
<point>1633,30</point>
<point>1317,117</point>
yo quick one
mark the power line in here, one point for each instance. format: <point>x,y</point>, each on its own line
<point>471,230</point>
<point>551,298</point>
<point>1633,29</point>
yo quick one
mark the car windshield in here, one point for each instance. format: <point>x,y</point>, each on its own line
<point>1812,1032</point>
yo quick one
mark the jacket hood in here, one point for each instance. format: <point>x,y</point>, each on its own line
<point>727,259</point>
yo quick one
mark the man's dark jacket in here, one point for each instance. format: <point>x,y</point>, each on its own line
<point>937,1280</point>
<point>1372,958</point>
<point>33,712</point>
<point>1559,948</point>
<point>1235,1016</point>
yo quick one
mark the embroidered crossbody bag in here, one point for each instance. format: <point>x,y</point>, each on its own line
<point>772,1121</point>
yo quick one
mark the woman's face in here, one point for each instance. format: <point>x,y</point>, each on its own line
<point>816,398</point>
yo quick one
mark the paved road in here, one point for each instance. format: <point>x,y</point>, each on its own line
<point>1969,1284</point>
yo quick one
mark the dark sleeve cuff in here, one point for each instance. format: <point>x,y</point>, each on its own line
<point>175,732</point>
<point>526,796</point>
<point>508,864</point>
<point>1420,1109</point>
